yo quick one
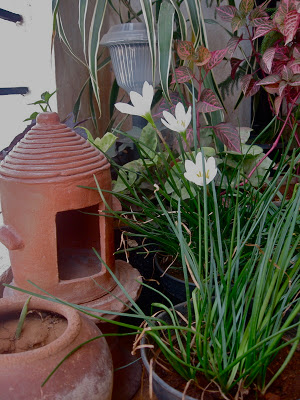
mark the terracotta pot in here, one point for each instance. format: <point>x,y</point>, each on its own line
<point>86,374</point>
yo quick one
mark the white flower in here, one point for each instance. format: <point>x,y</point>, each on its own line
<point>180,122</point>
<point>141,104</point>
<point>194,172</point>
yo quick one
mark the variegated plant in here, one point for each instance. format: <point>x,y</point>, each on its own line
<point>275,63</point>
<point>169,17</point>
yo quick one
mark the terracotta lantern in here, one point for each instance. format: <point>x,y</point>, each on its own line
<point>48,226</point>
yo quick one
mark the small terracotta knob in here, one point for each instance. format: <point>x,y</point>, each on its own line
<point>49,118</point>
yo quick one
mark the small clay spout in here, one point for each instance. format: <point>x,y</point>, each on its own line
<point>10,238</point>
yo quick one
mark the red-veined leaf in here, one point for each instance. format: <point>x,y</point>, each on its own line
<point>258,21</point>
<point>164,105</point>
<point>237,22</point>
<point>216,57</point>
<point>258,14</point>
<point>235,63</point>
<point>286,73</point>
<point>291,25</point>
<point>267,60</point>
<point>246,6</point>
<point>277,104</point>
<point>263,29</point>
<point>228,135</point>
<point>295,81</point>
<point>233,44</point>
<point>269,80</point>
<point>281,87</point>
<point>203,56</point>
<point>183,74</point>
<point>272,89</point>
<point>294,66</point>
<point>208,102</point>
<point>227,12</point>
<point>249,85</point>
<point>185,50</point>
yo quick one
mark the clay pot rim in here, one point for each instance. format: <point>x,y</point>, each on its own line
<point>9,304</point>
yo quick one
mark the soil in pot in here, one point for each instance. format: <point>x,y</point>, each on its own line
<point>39,329</point>
<point>286,387</point>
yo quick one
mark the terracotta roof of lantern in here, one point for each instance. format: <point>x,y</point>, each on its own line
<point>51,152</point>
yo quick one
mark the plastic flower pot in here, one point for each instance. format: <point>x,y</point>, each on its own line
<point>174,286</point>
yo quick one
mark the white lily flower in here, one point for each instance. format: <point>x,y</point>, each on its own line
<point>141,103</point>
<point>181,121</point>
<point>194,171</point>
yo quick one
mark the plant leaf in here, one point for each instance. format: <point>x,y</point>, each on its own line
<point>181,19</point>
<point>203,56</point>
<point>165,37</point>
<point>267,60</point>
<point>106,142</point>
<point>228,135</point>
<point>291,25</point>
<point>193,9</point>
<point>249,85</point>
<point>233,44</point>
<point>185,50</point>
<point>208,102</point>
<point>237,22</point>
<point>269,80</point>
<point>235,63</point>
<point>215,59</point>
<point>269,39</point>
<point>263,29</point>
<point>246,6</point>
<point>295,80</point>
<point>94,40</point>
<point>182,74</point>
<point>226,13</point>
<point>146,6</point>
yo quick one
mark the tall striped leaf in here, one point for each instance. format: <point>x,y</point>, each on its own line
<point>146,6</point>
<point>81,21</point>
<point>193,10</point>
<point>165,38</point>
<point>182,21</point>
<point>94,40</point>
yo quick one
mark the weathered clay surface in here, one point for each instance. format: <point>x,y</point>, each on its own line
<point>46,227</point>
<point>86,374</point>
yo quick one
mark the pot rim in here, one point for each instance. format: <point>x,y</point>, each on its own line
<point>72,330</point>
<point>169,275</point>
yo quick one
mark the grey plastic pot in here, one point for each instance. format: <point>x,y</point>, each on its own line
<point>174,286</point>
<point>162,390</point>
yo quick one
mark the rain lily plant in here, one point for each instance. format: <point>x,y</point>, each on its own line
<point>141,103</point>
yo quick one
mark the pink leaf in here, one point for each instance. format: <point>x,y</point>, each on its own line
<point>203,56</point>
<point>237,22</point>
<point>185,50</point>
<point>267,60</point>
<point>233,44</point>
<point>235,63</point>
<point>183,74</point>
<point>216,57</point>
<point>282,86</point>
<point>263,29</point>
<point>208,102</point>
<point>269,80</point>
<point>164,105</point>
<point>258,21</point>
<point>295,81</point>
<point>277,104</point>
<point>246,6</point>
<point>286,73</point>
<point>227,12</point>
<point>258,14</point>
<point>228,135</point>
<point>249,85</point>
<point>291,25</point>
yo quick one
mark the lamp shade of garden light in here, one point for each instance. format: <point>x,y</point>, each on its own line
<point>131,58</point>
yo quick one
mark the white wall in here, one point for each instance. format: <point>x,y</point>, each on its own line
<point>25,60</point>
